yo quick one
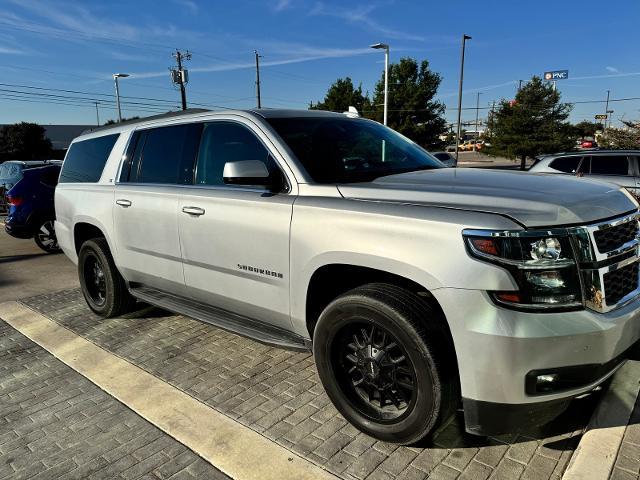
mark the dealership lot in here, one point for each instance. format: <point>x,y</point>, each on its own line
<point>273,392</point>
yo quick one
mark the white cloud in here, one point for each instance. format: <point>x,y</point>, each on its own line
<point>189,5</point>
<point>612,69</point>
<point>11,50</point>
<point>282,5</point>
<point>361,14</point>
<point>304,54</point>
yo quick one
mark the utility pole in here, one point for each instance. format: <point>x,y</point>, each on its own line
<point>477,112</point>
<point>464,42</point>
<point>258,79</point>
<point>606,110</point>
<point>180,76</point>
<point>519,85</point>
<point>97,115</point>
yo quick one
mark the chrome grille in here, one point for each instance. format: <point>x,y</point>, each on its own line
<point>614,237</point>
<point>620,283</point>
<point>608,259</point>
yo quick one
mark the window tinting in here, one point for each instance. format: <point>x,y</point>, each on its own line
<point>49,176</point>
<point>85,160</point>
<point>342,150</point>
<point>165,155</point>
<point>224,142</point>
<point>566,164</point>
<point>609,165</point>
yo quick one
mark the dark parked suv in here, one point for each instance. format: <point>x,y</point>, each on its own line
<point>11,172</point>
<point>31,209</point>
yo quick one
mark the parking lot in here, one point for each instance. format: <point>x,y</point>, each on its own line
<point>58,423</point>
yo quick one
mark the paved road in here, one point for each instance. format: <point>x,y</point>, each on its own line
<point>26,270</point>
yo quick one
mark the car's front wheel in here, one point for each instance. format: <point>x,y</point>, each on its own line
<point>103,287</point>
<point>380,357</point>
<point>45,236</point>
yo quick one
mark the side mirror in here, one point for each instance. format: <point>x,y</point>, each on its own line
<point>248,172</point>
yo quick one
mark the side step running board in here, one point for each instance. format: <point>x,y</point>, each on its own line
<point>232,322</point>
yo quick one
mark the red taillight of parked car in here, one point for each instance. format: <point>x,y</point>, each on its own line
<point>15,201</point>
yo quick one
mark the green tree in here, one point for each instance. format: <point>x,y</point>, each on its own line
<point>342,95</point>
<point>534,123</point>
<point>627,137</point>
<point>24,141</point>
<point>586,128</point>
<point>413,111</point>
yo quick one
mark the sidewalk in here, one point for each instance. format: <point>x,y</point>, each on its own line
<point>54,424</point>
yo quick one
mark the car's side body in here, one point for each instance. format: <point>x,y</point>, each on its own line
<point>267,263</point>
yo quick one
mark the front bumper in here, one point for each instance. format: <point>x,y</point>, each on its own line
<point>498,348</point>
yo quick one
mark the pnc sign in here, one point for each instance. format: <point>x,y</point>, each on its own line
<point>556,75</point>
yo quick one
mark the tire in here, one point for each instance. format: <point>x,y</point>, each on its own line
<point>104,289</point>
<point>45,236</point>
<point>386,362</point>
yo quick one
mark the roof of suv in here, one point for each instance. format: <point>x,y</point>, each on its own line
<point>597,151</point>
<point>263,112</point>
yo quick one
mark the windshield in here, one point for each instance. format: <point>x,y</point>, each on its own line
<point>9,171</point>
<point>345,150</point>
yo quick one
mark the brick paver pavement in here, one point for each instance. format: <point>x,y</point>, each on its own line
<point>56,424</point>
<point>278,394</point>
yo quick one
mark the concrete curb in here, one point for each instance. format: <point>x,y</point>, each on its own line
<point>596,453</point>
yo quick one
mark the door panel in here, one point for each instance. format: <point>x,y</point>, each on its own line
<point>147,235</point>
<point>236,253</point>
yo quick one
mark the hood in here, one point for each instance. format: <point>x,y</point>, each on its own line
<point>533,200</point>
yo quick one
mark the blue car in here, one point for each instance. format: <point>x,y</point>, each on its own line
<point>31,208</point>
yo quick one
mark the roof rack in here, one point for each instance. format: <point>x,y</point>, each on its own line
<point>178,113</point>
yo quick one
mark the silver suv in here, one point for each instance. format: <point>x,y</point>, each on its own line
<point>418,288</point>
<point>616,166</point>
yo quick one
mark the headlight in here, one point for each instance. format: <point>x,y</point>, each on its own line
<point>543,267</point>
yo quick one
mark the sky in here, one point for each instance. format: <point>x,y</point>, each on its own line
<point>49,46</point>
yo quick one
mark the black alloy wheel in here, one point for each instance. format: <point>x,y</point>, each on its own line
<point>94,280</point>
<point>374,371</point>
<point>387,362</point>
<point>45,237</point>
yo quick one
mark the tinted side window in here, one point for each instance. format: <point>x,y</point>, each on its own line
<point>609,165</point>
<point>224,142</point>
<point>85,160</point>
<point>443,157</point>
<point>49,176</point>
<point>566,164</point>
<point>166,155</point>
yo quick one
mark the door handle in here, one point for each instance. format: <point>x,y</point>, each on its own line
<point>197,211</point>
<point>123,202</point>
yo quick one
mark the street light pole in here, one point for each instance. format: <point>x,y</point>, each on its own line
<point>380,46</point>
<point>606,110</point>
<point>465,37</point>
<point>477,111</point>
<point>116,76</point>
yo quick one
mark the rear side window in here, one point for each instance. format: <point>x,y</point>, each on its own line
<point>85,160</point>
<point>49,176</point>
<point>165,155</point>
<point>443,157</point>
<point>566,164</point>
<point>609,165</point>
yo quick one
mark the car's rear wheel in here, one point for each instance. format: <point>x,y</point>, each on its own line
<point>45,236</point>
<point>382,359</point>
<point>104,289</point>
